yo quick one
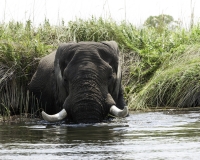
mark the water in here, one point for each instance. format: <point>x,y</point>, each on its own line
<point>153,135</point>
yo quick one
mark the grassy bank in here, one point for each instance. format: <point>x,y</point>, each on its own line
<point>159,68</point>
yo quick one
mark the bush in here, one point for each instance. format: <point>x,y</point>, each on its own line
<point>176,83</point>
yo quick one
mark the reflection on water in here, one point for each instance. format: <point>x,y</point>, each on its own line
<point>154,135</point>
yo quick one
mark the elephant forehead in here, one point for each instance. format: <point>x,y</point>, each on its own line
<point>88,57</point>
<point>97,53</point>
<point>91,50</point>
<point>87,62</point>
<point>100,53</point>
<point>86,52</point>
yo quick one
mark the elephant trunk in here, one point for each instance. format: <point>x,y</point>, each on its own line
<point>87,112</point>
<point>86,99</point>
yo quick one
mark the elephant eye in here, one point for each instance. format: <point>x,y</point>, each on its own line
<point>110,77</point>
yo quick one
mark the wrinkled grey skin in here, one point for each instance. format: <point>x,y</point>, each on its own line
<point>83,78</point>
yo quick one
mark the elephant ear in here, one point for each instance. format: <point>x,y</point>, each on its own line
<point>61,92</point>
<point>114,49</point>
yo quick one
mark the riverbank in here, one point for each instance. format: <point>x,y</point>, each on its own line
<point>160,67</point>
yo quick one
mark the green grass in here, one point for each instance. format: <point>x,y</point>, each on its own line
<point>176,83</point>
<point>159,68</point>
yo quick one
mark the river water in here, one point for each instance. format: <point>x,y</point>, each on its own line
<point>152,135</point>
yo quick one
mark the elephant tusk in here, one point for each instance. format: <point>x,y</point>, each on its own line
<point>56,117</point>
<point>118,112</point>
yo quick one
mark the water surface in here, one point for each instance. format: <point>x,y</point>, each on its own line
<point>152,135</point>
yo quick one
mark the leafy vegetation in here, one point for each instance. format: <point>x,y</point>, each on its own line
<point>160,66</point>
<point>176,83</point>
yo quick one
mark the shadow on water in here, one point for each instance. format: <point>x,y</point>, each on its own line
<point>153,135</point>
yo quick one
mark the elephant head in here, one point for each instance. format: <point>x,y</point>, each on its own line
<point>88,82</point>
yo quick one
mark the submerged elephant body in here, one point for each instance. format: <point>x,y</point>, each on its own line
<point>81,81</point>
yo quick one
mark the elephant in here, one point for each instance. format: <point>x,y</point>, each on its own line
<point>81,82</point>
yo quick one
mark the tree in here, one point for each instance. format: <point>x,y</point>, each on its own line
<point>159,22</point>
